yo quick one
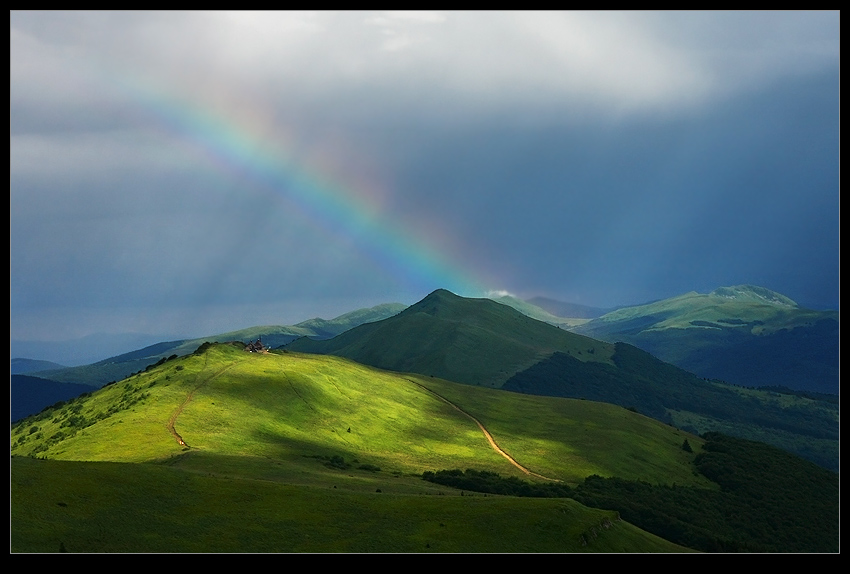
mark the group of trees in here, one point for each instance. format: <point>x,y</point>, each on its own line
<point>768,500</point>
<point>493,483</point>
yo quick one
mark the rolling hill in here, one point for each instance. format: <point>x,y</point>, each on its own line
<point>228,451</point>
<point>25,366</point>
<point>303,433</point>
<point>745,335</point>
<point>480,342</point>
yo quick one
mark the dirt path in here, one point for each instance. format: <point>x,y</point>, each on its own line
<point>487,434</point>
<point>173,418</point>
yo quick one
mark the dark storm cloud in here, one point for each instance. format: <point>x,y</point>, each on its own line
<point>602,158</point>
<point>742,192</point>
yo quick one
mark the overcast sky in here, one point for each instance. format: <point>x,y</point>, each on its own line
<point>191,173</point>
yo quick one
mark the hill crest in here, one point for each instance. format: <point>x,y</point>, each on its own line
<point>754,293</point>
<point>744,334</point>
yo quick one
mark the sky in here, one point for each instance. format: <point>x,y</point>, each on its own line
<point>186,174</point>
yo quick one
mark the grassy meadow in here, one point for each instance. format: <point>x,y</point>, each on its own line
<point>293,452</point>
<point>234,403</point>
<point>119,507</point>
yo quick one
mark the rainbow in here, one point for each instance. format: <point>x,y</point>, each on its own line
<point>338,210</point>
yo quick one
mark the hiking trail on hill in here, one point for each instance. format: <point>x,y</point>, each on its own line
<point>487,434</point>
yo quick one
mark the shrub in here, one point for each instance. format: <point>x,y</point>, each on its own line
<point>204,346</point>
<point>337,461</point>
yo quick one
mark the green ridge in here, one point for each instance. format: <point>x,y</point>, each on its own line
<point>472,341</point>
<point>745,335</point>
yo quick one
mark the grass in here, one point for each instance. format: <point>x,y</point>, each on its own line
<point>291,404</point>
<point>821,451</point>
<point>570,439</point>
<point>118,507</point>
<point>261,430</point>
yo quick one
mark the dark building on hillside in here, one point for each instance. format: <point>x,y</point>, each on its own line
<point>256,347</point>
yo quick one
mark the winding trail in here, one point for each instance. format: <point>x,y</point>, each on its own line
<point>487,434</point>
<point>173,419</point>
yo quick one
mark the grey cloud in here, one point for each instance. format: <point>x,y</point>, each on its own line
<point>613,157</point>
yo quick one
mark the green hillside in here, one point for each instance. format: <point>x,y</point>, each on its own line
<point>269,439</point>
<point>325,329</point>
<point>804,426</point>
<point>228,451</point>
<point>227,402</point>
<point>119,507</point>
<point>479,342</point>
<point>472,341</point>
<point>745,335</point>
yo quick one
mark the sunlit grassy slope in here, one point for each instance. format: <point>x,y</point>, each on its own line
<point>276,406</point>
<point>260,431</point>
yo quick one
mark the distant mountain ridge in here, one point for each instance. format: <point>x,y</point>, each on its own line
<point>753,293</point>
<point>536,312</point>
<point>82,351</point>
<point>22,366</point>
<point>564,309</point>
<point>744,334</point>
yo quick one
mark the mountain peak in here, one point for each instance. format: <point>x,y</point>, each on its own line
<point>434,301</point>
<point>442,295</point>
<point>754,293</point>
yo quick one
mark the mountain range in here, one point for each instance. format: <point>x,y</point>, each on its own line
<point>486,342</point>
<point>745,335</point>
